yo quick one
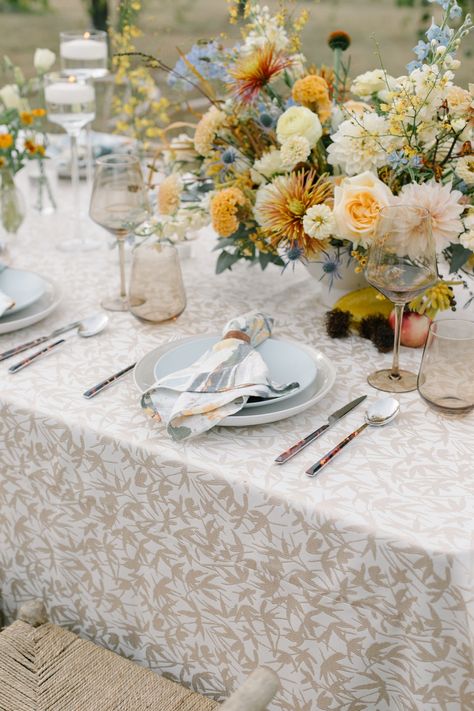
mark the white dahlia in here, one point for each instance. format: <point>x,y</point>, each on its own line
<point>362,144</point>
<point>442,202</point>
<point>267,166</point>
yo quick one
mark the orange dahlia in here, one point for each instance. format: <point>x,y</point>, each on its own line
<point>282,205</point>
<point>224,208</point>
<point>253,72</point>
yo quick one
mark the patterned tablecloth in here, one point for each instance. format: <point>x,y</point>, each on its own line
<point>204,559</point>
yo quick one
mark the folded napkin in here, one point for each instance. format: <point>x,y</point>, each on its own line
<point>6,302</point>
<point>194,399</point>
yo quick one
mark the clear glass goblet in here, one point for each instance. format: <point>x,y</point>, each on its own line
<point>119,203</point>
<point>401,265</point>
<point>446,377</point>
<point>70,103</point>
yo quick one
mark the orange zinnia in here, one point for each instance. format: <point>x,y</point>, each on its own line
<point>6,140</point>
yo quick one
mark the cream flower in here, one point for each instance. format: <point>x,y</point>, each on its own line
<point>442,202</point>
<point>299,121</point>
<point>467,240</point>
<point>10,97</point>
<point>361,144</point>
<point>43,60</point>
<point>293,151</point>
<point>319,222</point>
<point>465,169</point>
<point>267,166</point>
<point>206,130</point>
<point>169,194</point>
<point>371,83</point>
<point>357,202</point>
<point>460,102</point>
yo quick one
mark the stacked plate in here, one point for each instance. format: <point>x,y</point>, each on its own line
<point>287,362</point>
<point>34,298</point>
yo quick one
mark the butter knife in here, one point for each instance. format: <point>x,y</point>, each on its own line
<point>332,419</point>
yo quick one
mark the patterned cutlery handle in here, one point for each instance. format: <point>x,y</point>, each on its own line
<point>294,449</point>
<point>31,359</point>
<point>23,347</point>
<point>96,389</point>
<point>316,468</point>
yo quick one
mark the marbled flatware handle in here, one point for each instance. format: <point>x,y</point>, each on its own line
<point>23,347</point>
<point>31,359</point>
<point>316,468</point>
<point>96,389</point>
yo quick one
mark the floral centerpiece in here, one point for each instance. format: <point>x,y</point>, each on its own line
<point>301,159</point>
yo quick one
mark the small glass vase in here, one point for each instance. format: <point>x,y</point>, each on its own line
<point>156,284</point>
<point>12,209</point>
<point>44,202</point>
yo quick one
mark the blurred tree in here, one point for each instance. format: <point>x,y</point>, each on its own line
<point>99,13</point>
<point>24,5</point>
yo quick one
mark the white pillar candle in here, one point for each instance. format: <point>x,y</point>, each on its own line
<point>65,92</point>
<point>88,49</point>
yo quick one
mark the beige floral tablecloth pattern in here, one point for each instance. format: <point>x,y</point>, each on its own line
<point>203,559</point>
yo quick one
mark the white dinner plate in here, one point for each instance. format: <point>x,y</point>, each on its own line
<point>23,287</point>
<point>34,313</point>
<point>144,376</point>
<point>286,361</point>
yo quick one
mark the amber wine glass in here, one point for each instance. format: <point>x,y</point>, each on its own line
<point>401,265</point>
<point>119,203</point>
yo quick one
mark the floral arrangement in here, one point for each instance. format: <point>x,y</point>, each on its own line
<point>21,127</point>
<point>301,159</point>
<point>22,134</point>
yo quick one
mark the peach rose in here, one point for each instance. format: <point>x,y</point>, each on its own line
<point>357,202</point>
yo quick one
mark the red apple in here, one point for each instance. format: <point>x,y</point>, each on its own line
<point>414,328</point>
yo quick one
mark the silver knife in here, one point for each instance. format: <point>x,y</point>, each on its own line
<point>291,451</point>
<point>38,341</point>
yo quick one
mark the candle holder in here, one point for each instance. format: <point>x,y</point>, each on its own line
<point>85,54</point>
<point>70,103</point>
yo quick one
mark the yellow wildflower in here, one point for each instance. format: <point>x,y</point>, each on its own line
<point>6,140</point>
<point>38,113</point>
<point>224,208</point>
<point>26,117</point>
<point>169,194</point>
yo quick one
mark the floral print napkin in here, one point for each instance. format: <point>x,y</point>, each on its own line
<point>219,383</point>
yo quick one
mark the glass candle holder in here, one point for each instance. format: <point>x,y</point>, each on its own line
<point>446,377</point>
<point>84,53</point>
<point>156,285</point>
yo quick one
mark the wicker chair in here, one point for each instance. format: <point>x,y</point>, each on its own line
<point>46,668</point>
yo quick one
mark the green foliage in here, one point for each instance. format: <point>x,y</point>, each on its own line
<point>24,5</point>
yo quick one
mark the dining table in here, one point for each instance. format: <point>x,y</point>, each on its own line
<point>203,559</point>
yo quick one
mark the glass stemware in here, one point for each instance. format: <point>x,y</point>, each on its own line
<point>119,203</point>
<point>70,103</point>
<point>446,377</point>
<point>401,265</point>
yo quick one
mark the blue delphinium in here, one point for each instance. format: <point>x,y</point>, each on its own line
<point>422,50</point>
<point>204,57</point>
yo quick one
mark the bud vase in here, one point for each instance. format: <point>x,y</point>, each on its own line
<point>156,285</point>
<point>12,209</point>
<point>44,203</point>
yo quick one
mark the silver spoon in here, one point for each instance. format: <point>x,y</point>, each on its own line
<point>379,413</point>
<point>90,326</point>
